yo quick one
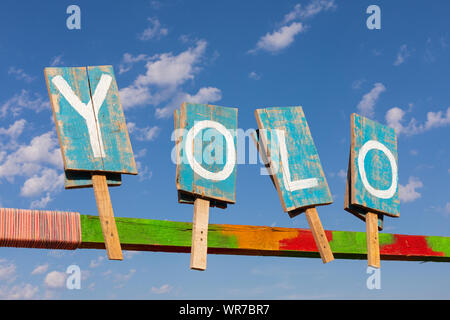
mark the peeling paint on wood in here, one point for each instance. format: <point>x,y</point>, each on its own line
<point>213,160</point>
<point>301,163</point>
<point>80,152</point>
<point>378,190</point>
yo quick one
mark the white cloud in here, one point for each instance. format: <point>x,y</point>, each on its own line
<point>395,119</point>
<point>16,292</point>
<point>129,60</point>
<point>19,74</point>
<point>367,103</point>
<point>96,262</point>
<point>255,76</point>
<point>204,95</point>
<point>408,193</point>
<point>402,54</point>
<point>342,174</point>
<point>41,203</point>
<point>40,269</point>
<point>279,39</point>
<point>121,279</point>
<point>55,279</point>
<point>165,288</point>
<point>28,160</point>
<point>24,100</point>
<point>154,30</point>
<point>14,130</point>
<point>7,271</point>
<point>164,75</point>
<point>143,134</point>
<point>57,61</point>
<point>170,70</point>
<point>283,36</point>
<point>48,181</point>
<point>144,171</point>
<point>357,84</point>
<point>310,10</point>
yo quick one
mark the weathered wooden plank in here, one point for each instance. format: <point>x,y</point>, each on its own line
<point>199,248</point>
<point>68,87</point>
<point>374,167</point>
<point>208,168</point>
<point>373,246</point>
<point>294,161</point>
<point>111,123</point>
<point>319,235</point>
<point>106,215</point>
<point>83,179</point>
<point>172,236</point>
<point>89,119</point>
<point>357,211</point>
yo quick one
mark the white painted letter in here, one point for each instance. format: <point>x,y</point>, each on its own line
<point>288,184</point>
<point>383,194</point>
<point>230,153</point>
<point>87,111</point>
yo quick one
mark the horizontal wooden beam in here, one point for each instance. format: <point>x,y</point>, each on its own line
<point>171,236</point>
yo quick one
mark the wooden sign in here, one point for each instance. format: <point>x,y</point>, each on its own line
<point>295,167</point>
<point>206,166</point>
<point>373,178</point>
<point>357,211</point>
<point>93,136</point>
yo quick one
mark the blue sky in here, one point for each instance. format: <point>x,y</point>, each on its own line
<point>245,54</point>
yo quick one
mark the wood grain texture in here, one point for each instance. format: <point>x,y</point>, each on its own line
<point>191,182</point>
<point>199,248</point>
<point>376,165</point>
<point>319,235</point>
<point>175,236</point>
<point>106,215</point>
<point>357,211</point>
<point>302,157</point>
<point>83,179</point>
<point>77,144</point>
<point>373,246</point>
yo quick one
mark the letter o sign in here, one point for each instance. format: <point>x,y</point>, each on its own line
<point>231,152</point>
<point>375,145</point>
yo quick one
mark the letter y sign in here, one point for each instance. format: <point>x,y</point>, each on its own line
<point>89,119</point>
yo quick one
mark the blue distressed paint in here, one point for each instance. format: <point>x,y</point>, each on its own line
<point>304,162</point>
<point>376,164</point>
<point>72,128</point>
<point>187,180</point>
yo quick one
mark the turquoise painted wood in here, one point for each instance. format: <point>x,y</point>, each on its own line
<point>357,211</point>
<point>373,167</point>
<point>294,162</point>
<point>206,160</point>
<point>111,122</point>
<point>83,179</point>
<point>90,121</point>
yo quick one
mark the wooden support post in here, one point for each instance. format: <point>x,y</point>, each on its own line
<point>106,215</point>
<point>199,248</point>
<point>319,235</point>
<point>373,245</point>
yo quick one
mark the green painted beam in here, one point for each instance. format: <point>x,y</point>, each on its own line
<point>171,236</point>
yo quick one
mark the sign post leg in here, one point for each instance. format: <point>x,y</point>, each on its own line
<point>319,235</point>
<point>199,248</point>
<point>373,245</point>
<point>106,215</point>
